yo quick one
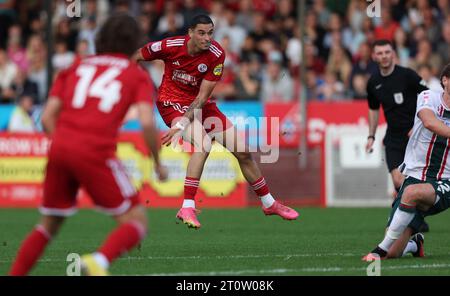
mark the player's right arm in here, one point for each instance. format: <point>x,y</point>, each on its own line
<point>373,117</point>
<point>137,56</point>
<point>150,134</point>
<point>427,114</point>
<point>143,92</point>
<point>431,123</point>
<point>151,51</point>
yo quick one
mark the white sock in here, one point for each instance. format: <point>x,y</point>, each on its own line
<point>267,200</point>
<point>399,223</point>
<point>188,203</point>
<point>411,247</point>
<point>101,260</point>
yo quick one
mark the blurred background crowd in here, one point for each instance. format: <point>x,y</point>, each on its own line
<point>261,39</point>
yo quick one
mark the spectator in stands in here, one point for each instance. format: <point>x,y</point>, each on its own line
<point>259,32</point>
<point>313,61</point>
<point>21,120</point>
<point>65,32</point>
<point>225,89</point>
<point>362,68</point>
<point>443,49</point>
<point>363,61</point>
<point>248,80</point>
<point>294,52</point>
<point>340,64</point>
<point>170,12</point>
<point>331,89</point>
<point>368,30</point>
<point>216,13</point>
<point>277,84</point>
<point>148,8</point>
<point>418,34</point>
<point>37,26</point>
<point>285,10</point>
<point>386,29</point>
<point>425,55</point>
<point>402,49</point>
<point>315,33</point>
<point>62,58</point>
<point>333,31</point>
<point>432,82</point>
<point>236,33</point>
<point>37,54</point>
<point>356,13</point>
<point>322,12</point>
<point>249,49</point>
<point>313,81</point>
<point>432,28</point>
<point>190,9</point>
<point>22,86</point>
<point>244,15</point>
<point>16,52</point>
<point>172,27</point>
<point>8,72</point>
<point>88,33</point>
<point>443,10</point>
<point>359,86</point>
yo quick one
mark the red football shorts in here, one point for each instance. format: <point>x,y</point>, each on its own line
<point>212,118</point>
<point>105,180</point>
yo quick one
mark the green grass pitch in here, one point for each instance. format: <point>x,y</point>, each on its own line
<point>236,242</point>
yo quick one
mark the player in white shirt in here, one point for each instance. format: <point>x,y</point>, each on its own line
<point>426,189</point>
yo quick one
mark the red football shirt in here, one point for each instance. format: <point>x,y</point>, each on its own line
<point>183,73</point>
<point>96,94</point>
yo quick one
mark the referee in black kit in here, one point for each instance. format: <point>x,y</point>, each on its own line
<point>396,89</point>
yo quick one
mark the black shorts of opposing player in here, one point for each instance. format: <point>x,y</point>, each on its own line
<point>441,188</point>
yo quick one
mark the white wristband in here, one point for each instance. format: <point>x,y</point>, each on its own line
<point>179,126</point>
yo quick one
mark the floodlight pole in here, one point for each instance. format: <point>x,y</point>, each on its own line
<point>302,147</point>
<point>49,35</point>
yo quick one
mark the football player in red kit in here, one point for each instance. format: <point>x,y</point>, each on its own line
<point>85,109</point>
<point>193,65</point>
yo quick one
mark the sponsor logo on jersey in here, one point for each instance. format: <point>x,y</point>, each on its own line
<point>398,98</point>
<point>183,77</point>
<point>156,46</point>
<point>202,68</point>
<point>218,69</point>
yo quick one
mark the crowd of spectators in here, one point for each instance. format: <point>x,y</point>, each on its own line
<point>261,38</point>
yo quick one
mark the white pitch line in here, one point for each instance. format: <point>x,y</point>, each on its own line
<point>220,257</point>
<point>299,270</point>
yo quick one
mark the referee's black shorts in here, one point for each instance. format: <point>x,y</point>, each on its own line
<point>395,147</point>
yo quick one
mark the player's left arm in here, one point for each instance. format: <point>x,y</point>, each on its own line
<point>204,93</point>
<point>206,88</point>
<point>54,103</point>
<point>50,114</point>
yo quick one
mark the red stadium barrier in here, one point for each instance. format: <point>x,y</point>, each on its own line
<point>320,115</point>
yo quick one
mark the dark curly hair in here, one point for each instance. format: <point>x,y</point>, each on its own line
<point>120,34</point>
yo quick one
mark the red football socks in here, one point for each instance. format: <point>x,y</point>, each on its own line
<point>30,251</point>
<point>122,239</point>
